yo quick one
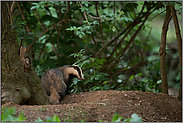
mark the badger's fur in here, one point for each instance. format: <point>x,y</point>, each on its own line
<point>57,81</point>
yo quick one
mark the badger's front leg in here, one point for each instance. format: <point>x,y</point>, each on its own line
<point>54,96</point>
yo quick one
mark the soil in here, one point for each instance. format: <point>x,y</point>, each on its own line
<point>102,105</point>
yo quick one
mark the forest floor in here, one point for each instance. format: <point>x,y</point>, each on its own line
<point>102,105</point>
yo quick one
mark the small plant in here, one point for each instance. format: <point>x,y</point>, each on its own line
<point>92,76</point>
<point>7,115</point>
<point>134,118</point>
<point>58,111</point>
<point>118,118</point>
<point>55,118</point>
<point>43,109</point>
<point>69,119</point>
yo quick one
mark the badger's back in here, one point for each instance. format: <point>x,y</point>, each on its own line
<point>53,78</point>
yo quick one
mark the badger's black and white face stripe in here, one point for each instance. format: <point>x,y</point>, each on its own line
<point>79,71</point>
<point>75,70</point>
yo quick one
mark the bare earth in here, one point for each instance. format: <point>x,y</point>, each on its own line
<point>101,105</point>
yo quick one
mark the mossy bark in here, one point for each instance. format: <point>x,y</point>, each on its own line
<point>17,86</point>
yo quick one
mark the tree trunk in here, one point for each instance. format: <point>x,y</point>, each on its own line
<point>17,86</point>
<point>179,42</point>
<point>162,50</point>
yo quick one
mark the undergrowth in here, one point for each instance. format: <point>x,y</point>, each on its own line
<point>9,115</point>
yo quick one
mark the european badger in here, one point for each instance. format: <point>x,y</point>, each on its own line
<point>57,81</point>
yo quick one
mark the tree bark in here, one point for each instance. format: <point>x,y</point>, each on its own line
<point>162,50</point>
<point>17,86</point>
<point>179,42</point>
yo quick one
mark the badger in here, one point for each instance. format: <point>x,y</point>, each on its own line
<point>57,81</point>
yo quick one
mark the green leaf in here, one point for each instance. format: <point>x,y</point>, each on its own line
<point>135,118</point>
<point>56,118</point>
<point>116,118</point>
<point>21,117</point>
<point>7,113</point>
<point>80,35</point>
<point>131,77</point>
<point>159,81</point>
<point>30,33</point>
<point>100,120</point>
<point>30,37</point>
<point>39,120</point>
<point>126,120</point>
<point>30,41</point>
<point>34,7</point>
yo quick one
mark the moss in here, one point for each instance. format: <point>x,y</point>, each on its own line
<point>13,75</point>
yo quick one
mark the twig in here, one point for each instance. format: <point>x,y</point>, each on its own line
<point>84,11</point>
<point>146,40</point>
<point>87,20</point>
<point>39,20</point>
<point>12,6</point>
<point>36,14</point>
<point>149,33</point>
<point>27,28</point>
<point>10,17</point>
<point>98,17</point>
<point>30,46</point>
<point>121,40</point>
<point>120,54</point>
<point>42,50</point>
<point>56,53</point>
<point>157,15</point>
<point>23,17</point>
<point>138,65</point>
<point>129,27</point>
<point>53,21</point>
<point>99,24</point>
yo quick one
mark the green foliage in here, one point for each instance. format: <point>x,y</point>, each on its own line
<point>92,76</point>
<point>8,115</point>
<point>111,40</point>
<point>22,34</point>
<point>134,118</point>
<point>86,28</point>
<point>117,118</point>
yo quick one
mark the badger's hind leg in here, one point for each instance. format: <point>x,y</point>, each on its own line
<point>54,96</point>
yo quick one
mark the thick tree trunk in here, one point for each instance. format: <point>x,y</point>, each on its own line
<point>17,86</point>
<point>162,50</point>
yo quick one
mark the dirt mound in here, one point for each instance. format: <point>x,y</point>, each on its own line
<point>92,106</point>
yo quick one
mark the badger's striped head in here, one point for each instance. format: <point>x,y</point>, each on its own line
<point>79,73</point>
<point>75,71</point>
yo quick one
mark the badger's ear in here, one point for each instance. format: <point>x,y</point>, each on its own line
<point>75,66</point>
